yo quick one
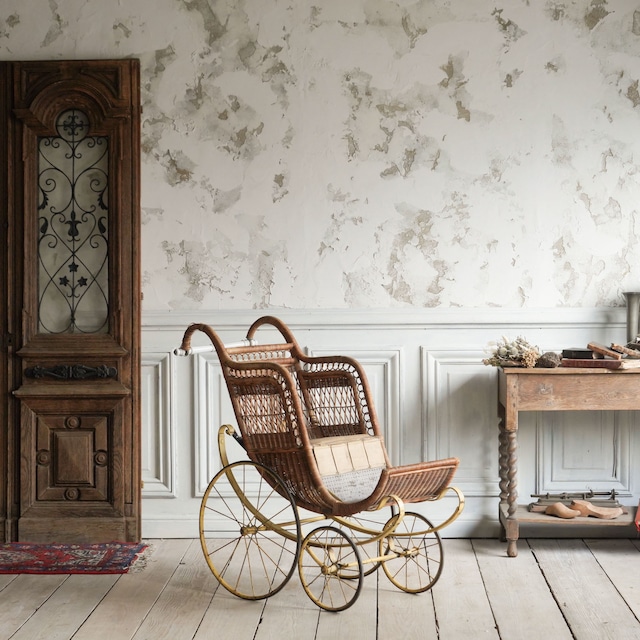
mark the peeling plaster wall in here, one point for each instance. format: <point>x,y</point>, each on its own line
<point>373,153</point>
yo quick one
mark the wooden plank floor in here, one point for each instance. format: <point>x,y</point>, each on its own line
<point>553,590</point>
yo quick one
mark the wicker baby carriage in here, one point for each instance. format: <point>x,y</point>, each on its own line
<point>315,454</point>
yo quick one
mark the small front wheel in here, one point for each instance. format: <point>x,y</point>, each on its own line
<point>330,568</point>
<point>414,555</point>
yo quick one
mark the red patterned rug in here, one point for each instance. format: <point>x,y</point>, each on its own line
<point>111,557</point>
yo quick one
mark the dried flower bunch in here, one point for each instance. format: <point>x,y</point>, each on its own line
<point>513,353</point>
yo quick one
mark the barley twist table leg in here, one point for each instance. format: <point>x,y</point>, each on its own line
<point>502,461</point>
<point>503,456</point>
<point>508,470</point>
<point>512,493</point>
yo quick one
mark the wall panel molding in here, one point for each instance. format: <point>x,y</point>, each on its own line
<point>158,420</point>
<point>459,405</point>
<point>433,396</point>
<point>212,409</point>
<point>513,321</point>
<point>581,452</point>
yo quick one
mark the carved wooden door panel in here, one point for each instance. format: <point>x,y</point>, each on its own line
<point>70,432</point>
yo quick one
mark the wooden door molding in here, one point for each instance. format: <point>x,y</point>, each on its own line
<point>72,407</point>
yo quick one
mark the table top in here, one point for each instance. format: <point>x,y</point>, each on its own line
<point>566,389</point>
<point>559,371</point>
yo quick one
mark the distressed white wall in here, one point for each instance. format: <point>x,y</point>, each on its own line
<point>373,153</point>
<point>437,173</point>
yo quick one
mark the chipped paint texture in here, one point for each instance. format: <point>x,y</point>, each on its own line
<point>373,153</point>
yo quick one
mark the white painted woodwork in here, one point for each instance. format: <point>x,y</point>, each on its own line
<point>158,409</point>
<point>433,396</point>
<point>585,451</point>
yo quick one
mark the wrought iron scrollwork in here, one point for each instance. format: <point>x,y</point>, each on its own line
<point>72,372</point>
<point>73,242</point>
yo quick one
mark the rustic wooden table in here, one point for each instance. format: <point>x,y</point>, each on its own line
<point>560,389</point>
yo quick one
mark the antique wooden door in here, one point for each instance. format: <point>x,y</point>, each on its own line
<point>69,207</point>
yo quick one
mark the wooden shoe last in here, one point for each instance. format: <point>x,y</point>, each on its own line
<point>561,510</point>
<point>585,508</point>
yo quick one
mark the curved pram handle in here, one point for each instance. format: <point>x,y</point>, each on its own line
<point>185,349</point>
<point>284,330</point>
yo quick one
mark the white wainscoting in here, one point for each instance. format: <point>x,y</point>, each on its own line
<point>433,396</point>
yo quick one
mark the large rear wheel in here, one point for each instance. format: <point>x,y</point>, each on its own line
<point>249,530</point>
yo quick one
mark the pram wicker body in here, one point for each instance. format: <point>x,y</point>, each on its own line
<point>313,441</point>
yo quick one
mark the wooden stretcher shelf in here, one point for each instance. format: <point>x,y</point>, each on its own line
<point>525,516</point>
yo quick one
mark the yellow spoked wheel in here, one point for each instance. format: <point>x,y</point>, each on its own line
<point>416,554</point>
<point>330,568</point>
<point>249,530</point>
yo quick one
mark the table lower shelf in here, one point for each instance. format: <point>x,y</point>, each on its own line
<point>524,516</point>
